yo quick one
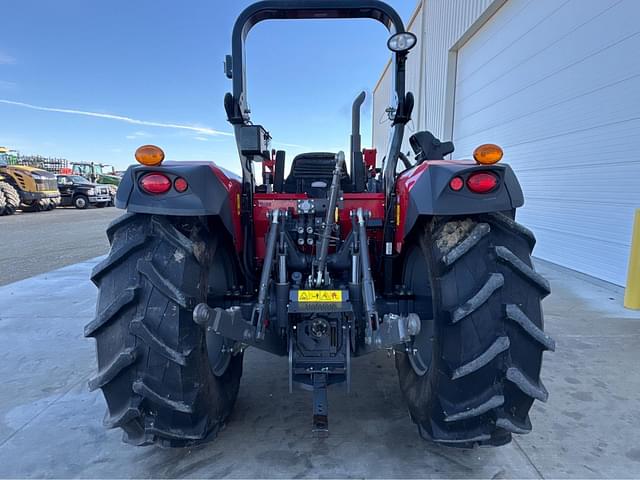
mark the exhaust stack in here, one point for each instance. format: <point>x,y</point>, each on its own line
<point>357,162</point>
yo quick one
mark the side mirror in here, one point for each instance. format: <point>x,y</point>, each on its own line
<point>402,42</point>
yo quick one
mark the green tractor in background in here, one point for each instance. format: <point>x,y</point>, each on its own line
<point>95,172</point>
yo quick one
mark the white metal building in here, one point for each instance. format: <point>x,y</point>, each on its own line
<point>556,83</point>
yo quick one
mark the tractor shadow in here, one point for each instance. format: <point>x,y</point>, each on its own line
<point>371,435</point>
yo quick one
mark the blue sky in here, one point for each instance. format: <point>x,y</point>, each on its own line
<point>160,62</point>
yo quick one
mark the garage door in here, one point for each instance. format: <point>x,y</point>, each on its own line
<point>557,84</point>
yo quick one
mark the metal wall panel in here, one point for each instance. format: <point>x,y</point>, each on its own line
<point>445,22</point>
<point>380,127</point>
<point>557,84</point>
<point>382,91</point>
<point>438,25</point>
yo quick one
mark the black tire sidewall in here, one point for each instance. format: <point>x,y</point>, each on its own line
<point>189,380</point>
<point>84,202</point>
<point>430,397</point>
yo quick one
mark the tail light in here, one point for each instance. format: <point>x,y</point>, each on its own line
<point>155,183</point>
<point>482,182</point>
<point>456,184</point>
<point>180,184</point>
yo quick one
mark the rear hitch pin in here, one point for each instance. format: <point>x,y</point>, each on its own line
<point>320,404</point>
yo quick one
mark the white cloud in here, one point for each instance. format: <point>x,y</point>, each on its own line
<point>6,85</point>
<point>293,145</point>
<point>121,118</point>
<point>6,59</point>
<point>138,134</point>
<point>200,130</point>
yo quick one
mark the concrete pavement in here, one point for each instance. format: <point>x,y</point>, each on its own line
<point>50,425</point>
<point>34,243</point>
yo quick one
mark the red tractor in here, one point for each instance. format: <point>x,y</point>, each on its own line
<point>419,256</point>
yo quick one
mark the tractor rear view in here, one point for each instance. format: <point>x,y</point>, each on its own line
<point>418,256</point>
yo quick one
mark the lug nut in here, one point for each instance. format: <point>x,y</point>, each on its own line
<point>201,314</point>
<point>300,230</point>
<point>300,241</point>
<point>309,229</point>
<point>309,241</point>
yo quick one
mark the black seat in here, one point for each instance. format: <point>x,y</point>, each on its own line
<point>312,173</point>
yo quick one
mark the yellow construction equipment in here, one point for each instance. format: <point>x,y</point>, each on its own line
<point>37,188</point>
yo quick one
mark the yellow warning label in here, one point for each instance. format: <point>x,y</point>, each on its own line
<point>325,296</point>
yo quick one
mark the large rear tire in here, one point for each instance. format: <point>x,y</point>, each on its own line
<point>9,199</point>
<point>153,364</point>
<point>473,377</point>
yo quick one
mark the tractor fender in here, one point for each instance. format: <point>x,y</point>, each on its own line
<point>212,191</point>
<point>424,191</point>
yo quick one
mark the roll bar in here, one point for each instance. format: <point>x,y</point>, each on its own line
<point>304,9</point>
<point>236,104</point>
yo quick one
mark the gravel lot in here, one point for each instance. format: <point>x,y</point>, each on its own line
<point>33,243</point>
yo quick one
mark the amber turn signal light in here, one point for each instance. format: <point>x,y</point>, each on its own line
<point>488,154</point>
<point>149,155</point>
